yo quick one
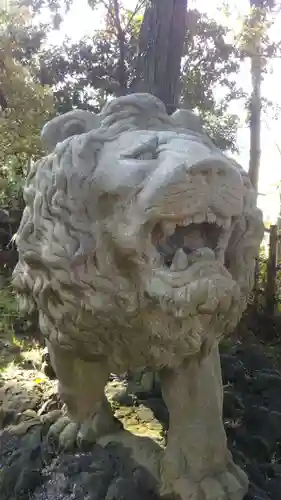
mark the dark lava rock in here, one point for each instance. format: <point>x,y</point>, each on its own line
<point>253,357</point>
<point>262,381</point>
<point>232,369</point>
<point>47,365</point>
<point>232,404</point>
<point>252,412</point>
<point>31,471</point>
<point>27,481</point>
<point>252,415</point>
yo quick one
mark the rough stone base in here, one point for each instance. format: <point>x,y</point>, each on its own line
<point>30,469</point>
<point>107,472</point>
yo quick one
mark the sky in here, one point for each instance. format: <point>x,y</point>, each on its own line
<point>81,20</point>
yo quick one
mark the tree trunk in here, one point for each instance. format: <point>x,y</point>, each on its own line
<point>255,120</point>
<point>160,50</point>
<point>122,73</point>
<point>257,19</point>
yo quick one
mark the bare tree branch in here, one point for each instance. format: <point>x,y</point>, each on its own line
<point>139,6</point>
<point>122,76</point>
<point>113,10</point>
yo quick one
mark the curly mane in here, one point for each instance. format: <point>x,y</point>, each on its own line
<point>68,266</point>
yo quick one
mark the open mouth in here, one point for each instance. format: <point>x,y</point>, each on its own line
<point>179,243</point>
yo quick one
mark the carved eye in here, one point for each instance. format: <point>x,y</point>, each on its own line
<point>146,151</point>
<point>149,155</point>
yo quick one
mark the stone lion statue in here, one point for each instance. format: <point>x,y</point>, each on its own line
<point>137,246</point>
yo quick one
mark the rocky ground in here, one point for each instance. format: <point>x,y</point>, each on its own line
<point>32,469</point>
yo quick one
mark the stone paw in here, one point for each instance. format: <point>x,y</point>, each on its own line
<point>229,485</point>
<point>66,434</point>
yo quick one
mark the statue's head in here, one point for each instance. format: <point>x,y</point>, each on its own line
<point>138,218</point>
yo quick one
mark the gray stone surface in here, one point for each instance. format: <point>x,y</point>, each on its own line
<point>137,245</point>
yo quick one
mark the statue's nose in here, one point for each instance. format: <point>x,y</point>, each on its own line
<point>218,184</point>
<point>215,169</point>
<point>190,180</point>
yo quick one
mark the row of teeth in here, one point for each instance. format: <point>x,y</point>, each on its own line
<point>225,223</point>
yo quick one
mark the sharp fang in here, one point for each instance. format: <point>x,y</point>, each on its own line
<point>227,224</point>
<point>180,261</point>
<point>198,218</point>
<point>224,223</point>
<point>187,221</point>
<point>211,217</point>
<point>220,222</point>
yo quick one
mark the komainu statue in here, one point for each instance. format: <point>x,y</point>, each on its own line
<point>137,246</point>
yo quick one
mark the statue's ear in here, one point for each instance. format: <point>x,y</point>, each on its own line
<point>185,118</point>
<point>61,127</point>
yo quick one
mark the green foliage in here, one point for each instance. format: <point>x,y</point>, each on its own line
<point>11,182</point>
<point>254,37</point>
<point>210,64</point>
<point>8,310</point>
<point>86,73</point>
<point>25,104</point>
<point>56,9</point>
<point>18,346</point>
<point>221,126</point>
<point>208,61</point>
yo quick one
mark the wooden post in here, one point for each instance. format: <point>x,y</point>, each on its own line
<point>270,291</point>
<point>278,253</point>
<point>256,286</point>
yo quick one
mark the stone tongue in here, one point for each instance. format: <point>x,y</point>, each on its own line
<point>194,238</point>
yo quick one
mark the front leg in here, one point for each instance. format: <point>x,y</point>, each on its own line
<point>81,387</point>
<point>197,464</point>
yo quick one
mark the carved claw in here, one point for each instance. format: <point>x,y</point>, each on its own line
<point>67,434</point>
<point>229,485</point>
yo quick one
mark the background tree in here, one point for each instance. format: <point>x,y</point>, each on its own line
<point>256,45</point>
<point>160,50</point>
<point>25,104</point>
<point>209,77</point>
<point>87,73</point>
